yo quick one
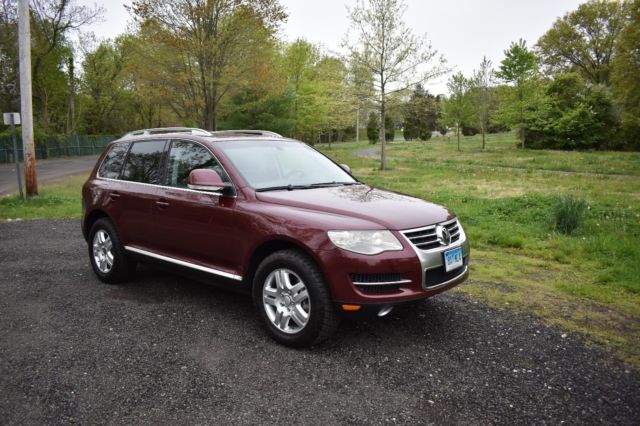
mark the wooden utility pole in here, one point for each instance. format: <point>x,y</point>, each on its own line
<point>26,109</point>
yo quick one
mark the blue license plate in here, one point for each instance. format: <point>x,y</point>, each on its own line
<point>453,259</point>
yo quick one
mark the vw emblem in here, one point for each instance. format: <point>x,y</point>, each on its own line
<point>444,237</point>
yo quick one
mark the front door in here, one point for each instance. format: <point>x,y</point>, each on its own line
<point>195,226</point>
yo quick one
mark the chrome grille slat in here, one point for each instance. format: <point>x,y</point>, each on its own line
<point>425,238</point>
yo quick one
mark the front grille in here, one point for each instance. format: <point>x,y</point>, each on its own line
<point>375,278</point>
<point>379,289</point>
<point>436,276</point>
<point>378,283</point>
<point>426,239</point>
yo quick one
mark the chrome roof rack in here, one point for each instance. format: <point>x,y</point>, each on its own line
<point>232,133</point>
<point>162,130</point>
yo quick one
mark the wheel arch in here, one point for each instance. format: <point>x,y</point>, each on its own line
<point>268,247</point>
<point>90,219</point>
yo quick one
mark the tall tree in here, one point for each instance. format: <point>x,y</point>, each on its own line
<point>216,40</point>
<point>389,49</point>
<point>584,40</point>
<point>626,78</point>
<point>361,91</point>
<point>420,114</point>
<point>483,96</point>
<point>518,68</point>
<point>457,109</point>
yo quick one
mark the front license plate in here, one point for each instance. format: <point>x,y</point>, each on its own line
<point>452,259</point>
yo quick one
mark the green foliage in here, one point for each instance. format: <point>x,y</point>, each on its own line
<point>567,213</point>
<point>584,40</point>
<point>421,113</point>
<point>457,109</point>
<point>626,79</point>
<point>574,116</point>
<point>518,69</point>
<point>389,128</point>
<point>373,128</point>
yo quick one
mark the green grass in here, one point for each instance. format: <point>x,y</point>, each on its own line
<point>588,282</point>
<point>60,200</point>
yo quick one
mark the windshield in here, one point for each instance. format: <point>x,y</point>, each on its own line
<point>274,165</point>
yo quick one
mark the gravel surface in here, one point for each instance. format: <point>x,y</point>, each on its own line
<point>165,350</point>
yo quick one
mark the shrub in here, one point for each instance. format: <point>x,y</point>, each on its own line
<point>568,212</point>
<point>389,129</point>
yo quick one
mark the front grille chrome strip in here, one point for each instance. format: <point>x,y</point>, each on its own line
<point>373,284</point>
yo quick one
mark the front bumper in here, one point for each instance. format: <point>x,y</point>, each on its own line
<point>392,277</point>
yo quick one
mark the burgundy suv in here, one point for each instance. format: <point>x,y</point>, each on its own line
<point>269,216</point>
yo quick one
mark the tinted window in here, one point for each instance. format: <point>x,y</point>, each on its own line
<point>187,156</point>
<point>112,163</point>
<point>144,162</point>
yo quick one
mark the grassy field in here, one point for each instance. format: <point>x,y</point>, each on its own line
<point>588,282</point>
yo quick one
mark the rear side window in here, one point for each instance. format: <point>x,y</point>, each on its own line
<point>144,162</point>
<point>187,156</point>
<point>112,163</point>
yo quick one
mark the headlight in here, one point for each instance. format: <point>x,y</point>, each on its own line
<point>365,242</point>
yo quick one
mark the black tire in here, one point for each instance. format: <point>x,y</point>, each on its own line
<point>322,320</point>
<point>122,267</point>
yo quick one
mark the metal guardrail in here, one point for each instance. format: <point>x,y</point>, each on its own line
<point>57,146</point>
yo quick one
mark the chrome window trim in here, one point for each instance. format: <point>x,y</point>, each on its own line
<point>131,142</point>
<point>167,187</point>
<point>184,263</point>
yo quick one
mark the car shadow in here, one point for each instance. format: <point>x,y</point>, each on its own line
<point>431,318</point>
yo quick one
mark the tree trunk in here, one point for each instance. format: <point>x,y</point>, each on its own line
<point>483,133</point>
<point>383,158</point>
<point>358,124</point>
<point>458,135</point>
<point>382,136</point>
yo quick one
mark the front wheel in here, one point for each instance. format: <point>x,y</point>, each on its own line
<point>292,299</point>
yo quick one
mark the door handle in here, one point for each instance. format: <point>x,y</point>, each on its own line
<point>114,195</point>
<point>162,204</point>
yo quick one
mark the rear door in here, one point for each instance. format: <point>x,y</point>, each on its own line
<point>136,192</point>
<point>195,226</point>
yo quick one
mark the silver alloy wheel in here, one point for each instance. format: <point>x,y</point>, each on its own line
<point>286,301</point>
<point>103,251</point>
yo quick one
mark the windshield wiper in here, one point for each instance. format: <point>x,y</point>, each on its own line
<point>291,187</point>
<point>283,187</point>
<point>334,183</point>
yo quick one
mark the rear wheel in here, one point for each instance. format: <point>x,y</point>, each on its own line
<point>107,255</point>
<point>293,300</point>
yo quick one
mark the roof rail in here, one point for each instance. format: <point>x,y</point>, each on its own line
<point>161,130</point>
<point>231,133</point>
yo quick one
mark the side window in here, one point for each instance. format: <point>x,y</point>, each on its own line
<point>187,156</point>
<point>112,163</point>
<point>144,162</point>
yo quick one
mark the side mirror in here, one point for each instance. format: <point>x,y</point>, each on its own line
<point>346,168</point>
<point>206,180</point>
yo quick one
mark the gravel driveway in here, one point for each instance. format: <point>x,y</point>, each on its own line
<point>165,350</point>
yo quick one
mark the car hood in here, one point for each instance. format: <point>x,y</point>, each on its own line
<point>389,209</point>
